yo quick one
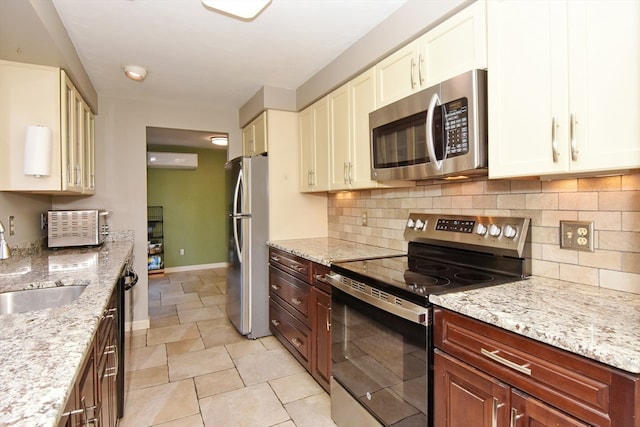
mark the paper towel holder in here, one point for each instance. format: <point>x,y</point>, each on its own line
<point>37,151</point>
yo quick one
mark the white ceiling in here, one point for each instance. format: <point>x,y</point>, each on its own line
<point>198,56</point>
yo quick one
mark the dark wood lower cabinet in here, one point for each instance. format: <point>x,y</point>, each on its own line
<point>93,399</point>
<point>300,311</point>
<point>321,356</point>
<point>487,376</point>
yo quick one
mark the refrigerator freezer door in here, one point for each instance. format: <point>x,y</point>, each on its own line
<point>247,275</point>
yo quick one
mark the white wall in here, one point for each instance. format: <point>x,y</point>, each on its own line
<point>121,180</point>
<point>26,210</point>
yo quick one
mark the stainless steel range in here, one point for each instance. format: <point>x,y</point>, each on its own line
<point>380,328</point>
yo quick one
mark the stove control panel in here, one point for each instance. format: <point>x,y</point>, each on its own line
<point>504,235</point>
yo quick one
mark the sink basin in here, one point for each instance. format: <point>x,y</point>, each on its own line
<point>38,299</point>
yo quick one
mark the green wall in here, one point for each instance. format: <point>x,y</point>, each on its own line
<point>194,207</point>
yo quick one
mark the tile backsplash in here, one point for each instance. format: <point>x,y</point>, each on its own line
<point>612,203</point>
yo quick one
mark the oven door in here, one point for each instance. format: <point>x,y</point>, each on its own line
<point>379,363</point>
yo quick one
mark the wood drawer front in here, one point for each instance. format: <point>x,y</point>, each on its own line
<point>318,274</point>
<point>299,267</point>
<point>293,334</point>
<point>562,379</point>
<point>293,294</point>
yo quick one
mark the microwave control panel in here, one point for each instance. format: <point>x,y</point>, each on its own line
<point>456,127</point>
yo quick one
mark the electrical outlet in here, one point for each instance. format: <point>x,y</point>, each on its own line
<point>365,220</point>
<point>12,225</point>
<point>576,235</point>
<point>43,220</point>
<point>181,251</point>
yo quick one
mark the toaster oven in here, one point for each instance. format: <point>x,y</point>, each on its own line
<point>76,227</point>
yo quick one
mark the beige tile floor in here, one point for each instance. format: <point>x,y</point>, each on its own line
<point>192,368</point>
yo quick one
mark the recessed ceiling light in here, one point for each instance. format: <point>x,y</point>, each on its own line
<point>219,140</point>
<point>135,72</point>
<point>245,9</point>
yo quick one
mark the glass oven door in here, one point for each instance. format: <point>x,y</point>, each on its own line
<point>381,360</point>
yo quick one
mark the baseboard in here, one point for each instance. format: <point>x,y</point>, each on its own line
<point>137,325</point>
<point>195,267</point>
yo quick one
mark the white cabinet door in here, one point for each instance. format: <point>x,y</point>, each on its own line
<point>71,137</point>
<point>457,45</point>
<point>398,75</point>
<point>339,139</point>
<point>314,147</point>
<point>526,88</point>
<point>254,136</point>
<point>559,83</point>
<point>604,84</point>
<point>362,101</point>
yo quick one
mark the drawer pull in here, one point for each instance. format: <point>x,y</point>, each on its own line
<point>275,322</point>
<point>296,301</point>
<point>275,287</point>
<point>275,258</point>
<point>320,278</point>
<point>297,268</point>
<point>296,342</point>
<point>493,355</point>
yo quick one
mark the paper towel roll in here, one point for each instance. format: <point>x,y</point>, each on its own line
<point>37,151</point>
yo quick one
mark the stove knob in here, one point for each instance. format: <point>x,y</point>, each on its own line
<point>494,230</point>
<point>420,225</point>
<point>410,223</point>
<point>481,229</point>
<point>510,231</point>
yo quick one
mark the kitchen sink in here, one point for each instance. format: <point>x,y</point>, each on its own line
<point>38,299</point>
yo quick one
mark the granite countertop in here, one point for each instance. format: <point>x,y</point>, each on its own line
<point>41,351</point>
<point>596,323</point>
<point>326,250</point>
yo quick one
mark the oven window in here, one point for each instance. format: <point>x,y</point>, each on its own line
<point>381,360</point>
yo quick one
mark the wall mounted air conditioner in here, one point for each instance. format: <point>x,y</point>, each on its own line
<point>172,160</point>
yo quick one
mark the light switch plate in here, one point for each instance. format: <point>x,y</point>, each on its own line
<point>577,235</point>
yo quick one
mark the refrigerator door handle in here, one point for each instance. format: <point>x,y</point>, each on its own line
<point>236,214</point>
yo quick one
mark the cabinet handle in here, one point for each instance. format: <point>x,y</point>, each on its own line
<point>420,62</point>
<point>493,355</point>
<point>345,172</point>
<point>349,174</point>
<point>297,268</point>
<point>320,278</point>
<point>109,313</point>
<point>275,322</point>
<point>275,287</point>
<point>328,319</point>
<point>413,65</point>
<point>296,342</point>
<point>494,412</point>
<point>574,142</point>
<point>275,258</point>
<point>296,301</point>
<point>513,420</point>
<point>554,141</point>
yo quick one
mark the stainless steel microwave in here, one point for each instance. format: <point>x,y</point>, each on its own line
<point>440,131</point>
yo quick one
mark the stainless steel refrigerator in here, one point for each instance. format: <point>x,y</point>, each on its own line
<point>248,273</point>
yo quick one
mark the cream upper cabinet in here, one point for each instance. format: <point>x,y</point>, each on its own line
<point>339,139</point>
<point>562,85</point>
<point>313,124</point>
<point>349,141</point>
<point>254,136</point>
<point>44,96</point>
<point>451,48</point>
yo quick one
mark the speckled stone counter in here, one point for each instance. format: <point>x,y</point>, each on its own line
<point>325,250</point>
<point>41,351</point>
<point>599,324</point>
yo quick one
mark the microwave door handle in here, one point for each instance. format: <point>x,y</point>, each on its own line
<point>437,164</point>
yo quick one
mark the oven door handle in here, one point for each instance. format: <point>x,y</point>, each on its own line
<point>400,307</point>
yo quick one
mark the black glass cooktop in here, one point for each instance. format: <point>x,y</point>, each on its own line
<point>415,279</point>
